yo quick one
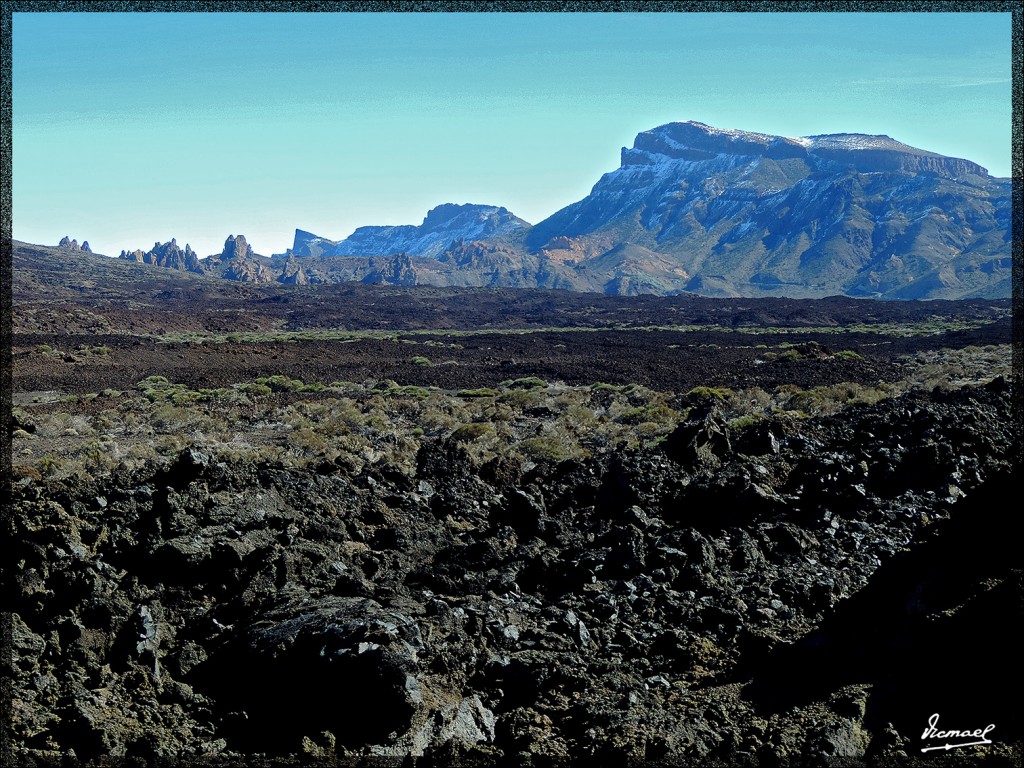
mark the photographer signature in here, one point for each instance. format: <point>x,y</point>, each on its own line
<point>932,732</point>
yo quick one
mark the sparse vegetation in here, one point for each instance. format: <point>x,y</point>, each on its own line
<point>383,421</point>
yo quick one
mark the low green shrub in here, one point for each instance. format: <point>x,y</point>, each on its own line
<point>254,388</point>
<point>547,448</point>
<point>470,432</point>
<point>153,383</point>
<point>528,382</point>
<point>742,422</point>
<point>281,383</point>
<point>710,393</point>
<point>482,392</point>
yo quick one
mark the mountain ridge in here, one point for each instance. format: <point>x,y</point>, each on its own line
<point>697,209</point>
<point>442,225</point>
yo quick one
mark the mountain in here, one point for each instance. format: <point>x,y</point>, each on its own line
<point>695,209</point>
<point>735,213</point>
<point>442,226</point>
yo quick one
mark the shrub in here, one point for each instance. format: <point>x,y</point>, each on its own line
<point>307,441</point>
<point>254,388</point>
<point>748,402</point>
<point>23,471</point>
<point>184,396</point>
<point>785,390</point>
<point>710,393</point>
<point>281,383</point>
<point>49,466</point>
<point>420,360</point>
<point>482,392</point>
<point>101,455</point>
<point>529,382</point>
<point>742,422</point>
<point>522,398</point>
<point>547,448</point>
<point>153,383</point>
<point>417,393</point>
<point>470,432</point>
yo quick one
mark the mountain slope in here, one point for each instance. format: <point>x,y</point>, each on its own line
<point>747,214</point>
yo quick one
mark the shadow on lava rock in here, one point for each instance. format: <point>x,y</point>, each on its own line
<point>934,631</point>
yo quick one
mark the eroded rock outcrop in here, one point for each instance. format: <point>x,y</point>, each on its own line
<point>168,255</point>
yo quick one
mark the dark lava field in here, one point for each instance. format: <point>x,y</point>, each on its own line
<point>366,525</point>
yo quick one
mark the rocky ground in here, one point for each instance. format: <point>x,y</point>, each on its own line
<point>793,561</point>
<point>787,590</point>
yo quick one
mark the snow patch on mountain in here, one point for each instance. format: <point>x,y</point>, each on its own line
<point>442,226</point>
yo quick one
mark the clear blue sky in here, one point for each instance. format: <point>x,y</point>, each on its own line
<point>133,128</point>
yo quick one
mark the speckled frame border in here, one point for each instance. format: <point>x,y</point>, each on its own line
<point>1015,7</point>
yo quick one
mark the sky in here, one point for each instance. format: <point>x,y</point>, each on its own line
<point>134,128</point>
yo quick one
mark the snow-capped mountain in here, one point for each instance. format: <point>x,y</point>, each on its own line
<point>728,212</point>
<point>442,226</point>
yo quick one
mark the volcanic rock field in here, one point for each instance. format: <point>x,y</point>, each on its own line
<point>374,525</point>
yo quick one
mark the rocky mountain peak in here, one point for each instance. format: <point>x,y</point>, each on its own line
<point>308,244</point>
<point>726,212</point>
<point>449,215</point>
<point>236,248</point>
<point>301,238</point>
<point>68,244</point>
<point>442,226</point>
<point>698,142</point>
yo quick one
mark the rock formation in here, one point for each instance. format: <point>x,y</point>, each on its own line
<point>168,255</point>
